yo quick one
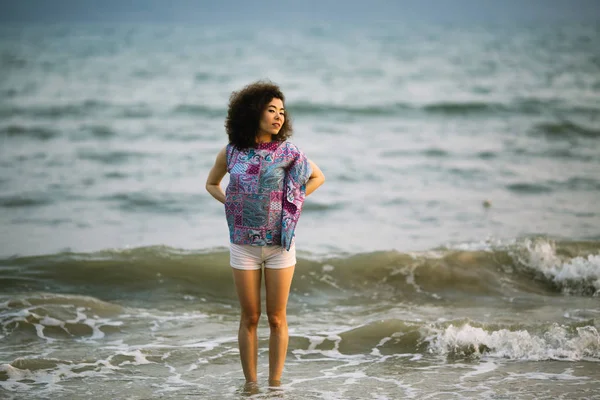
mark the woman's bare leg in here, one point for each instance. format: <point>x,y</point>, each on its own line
<point>247,284</point>
<point>278,283</point>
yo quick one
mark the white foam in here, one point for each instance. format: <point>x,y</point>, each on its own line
<point>328,268</point>
<point>567,375</point>
<point>49,321</point>
<point>25,380</point>
<point>355,377</point>
<point>481,368</point>
<point>29,315</point>
<point>15,375</point>
<point>328,279</point>
<point>572,276</point>
<point>164,321</point>
<point>581,268</point>
<point>39,329</point>
<point>557,343</point>
<point>139,358</point>
<point>136,355</point>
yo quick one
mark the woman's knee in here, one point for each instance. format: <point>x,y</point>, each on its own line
<point>277,320</point>
<point>251,319</point>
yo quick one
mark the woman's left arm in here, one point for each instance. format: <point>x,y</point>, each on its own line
<point>316,178</point>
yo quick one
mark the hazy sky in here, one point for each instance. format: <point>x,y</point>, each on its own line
<point>276,12</point>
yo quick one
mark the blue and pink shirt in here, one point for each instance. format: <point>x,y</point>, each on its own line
<point>266,190</point>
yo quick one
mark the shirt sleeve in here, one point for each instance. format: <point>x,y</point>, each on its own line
<point>297,175</point>
<point>229,150</point>
<point>299,172</point>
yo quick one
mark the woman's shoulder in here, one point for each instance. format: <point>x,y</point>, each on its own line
<point>291,148</point>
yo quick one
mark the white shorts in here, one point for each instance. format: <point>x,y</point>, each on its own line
<point>253,257</point>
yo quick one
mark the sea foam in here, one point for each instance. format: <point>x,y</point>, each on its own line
<point>578,275</point>
<point>555,343</point>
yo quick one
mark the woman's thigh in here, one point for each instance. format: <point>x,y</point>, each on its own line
<point>247,285</point>
<point>278,282</point>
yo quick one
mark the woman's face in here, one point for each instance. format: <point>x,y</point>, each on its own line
<point>272,118</point>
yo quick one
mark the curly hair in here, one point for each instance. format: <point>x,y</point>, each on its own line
<point>245,111</point>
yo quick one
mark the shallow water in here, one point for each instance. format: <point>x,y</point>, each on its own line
<point>518,320</point>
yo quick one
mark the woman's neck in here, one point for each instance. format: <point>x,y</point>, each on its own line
<point>264,138</point>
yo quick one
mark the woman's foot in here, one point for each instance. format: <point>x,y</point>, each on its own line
<point>273,384</point>
<point>250,388</point>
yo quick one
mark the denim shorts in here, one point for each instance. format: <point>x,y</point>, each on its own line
<point>253,257</point>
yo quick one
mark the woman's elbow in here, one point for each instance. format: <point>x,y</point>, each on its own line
<point>319,180</point>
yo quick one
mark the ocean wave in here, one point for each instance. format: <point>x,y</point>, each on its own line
<point>581,183</point>
<point>573,153</point>
<point>575,183</point>
<point>448,108</point>
<point>99,131</point>
<point>306,108</point>
<point>52,317</point>
<point>115,175</point>
<point>578,275</point>
<point>435,152</point>
<point>54,111</point>
<point>565,129</point>
<point>28,374</point>
<point>8,93</point>
<point>529,266</point>
<point>112,157</point>
<point>313,206</point>
<point>487,155</point>
<point>383,338</point>
<point>457,108</point>
<point>30,132</point>
<point>25,200</point>
<point>529,188</point>
<point>199,111</point>
<point>550,342</point>
<point>516,106</point>
<point>163,203</point>
<point>458,339</point>
<point>134,111</point>
<point>12,61</point>
<point>87,108</point>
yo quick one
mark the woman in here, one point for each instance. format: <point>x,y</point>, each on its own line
<point>269,179</point>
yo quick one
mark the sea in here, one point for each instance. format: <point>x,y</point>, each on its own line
<point>452,253</point>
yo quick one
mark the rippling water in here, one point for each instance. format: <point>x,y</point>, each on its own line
<point>453,252</point>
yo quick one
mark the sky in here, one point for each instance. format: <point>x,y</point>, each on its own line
<point>278,12</point>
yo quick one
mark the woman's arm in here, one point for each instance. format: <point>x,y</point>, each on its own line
<point>315,180</point>
<point>216,174</point>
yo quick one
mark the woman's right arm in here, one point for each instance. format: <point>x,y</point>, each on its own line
<point>216,174</point>
<point>316,178</point>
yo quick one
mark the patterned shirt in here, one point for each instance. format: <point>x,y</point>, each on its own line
<point>266,190</point>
